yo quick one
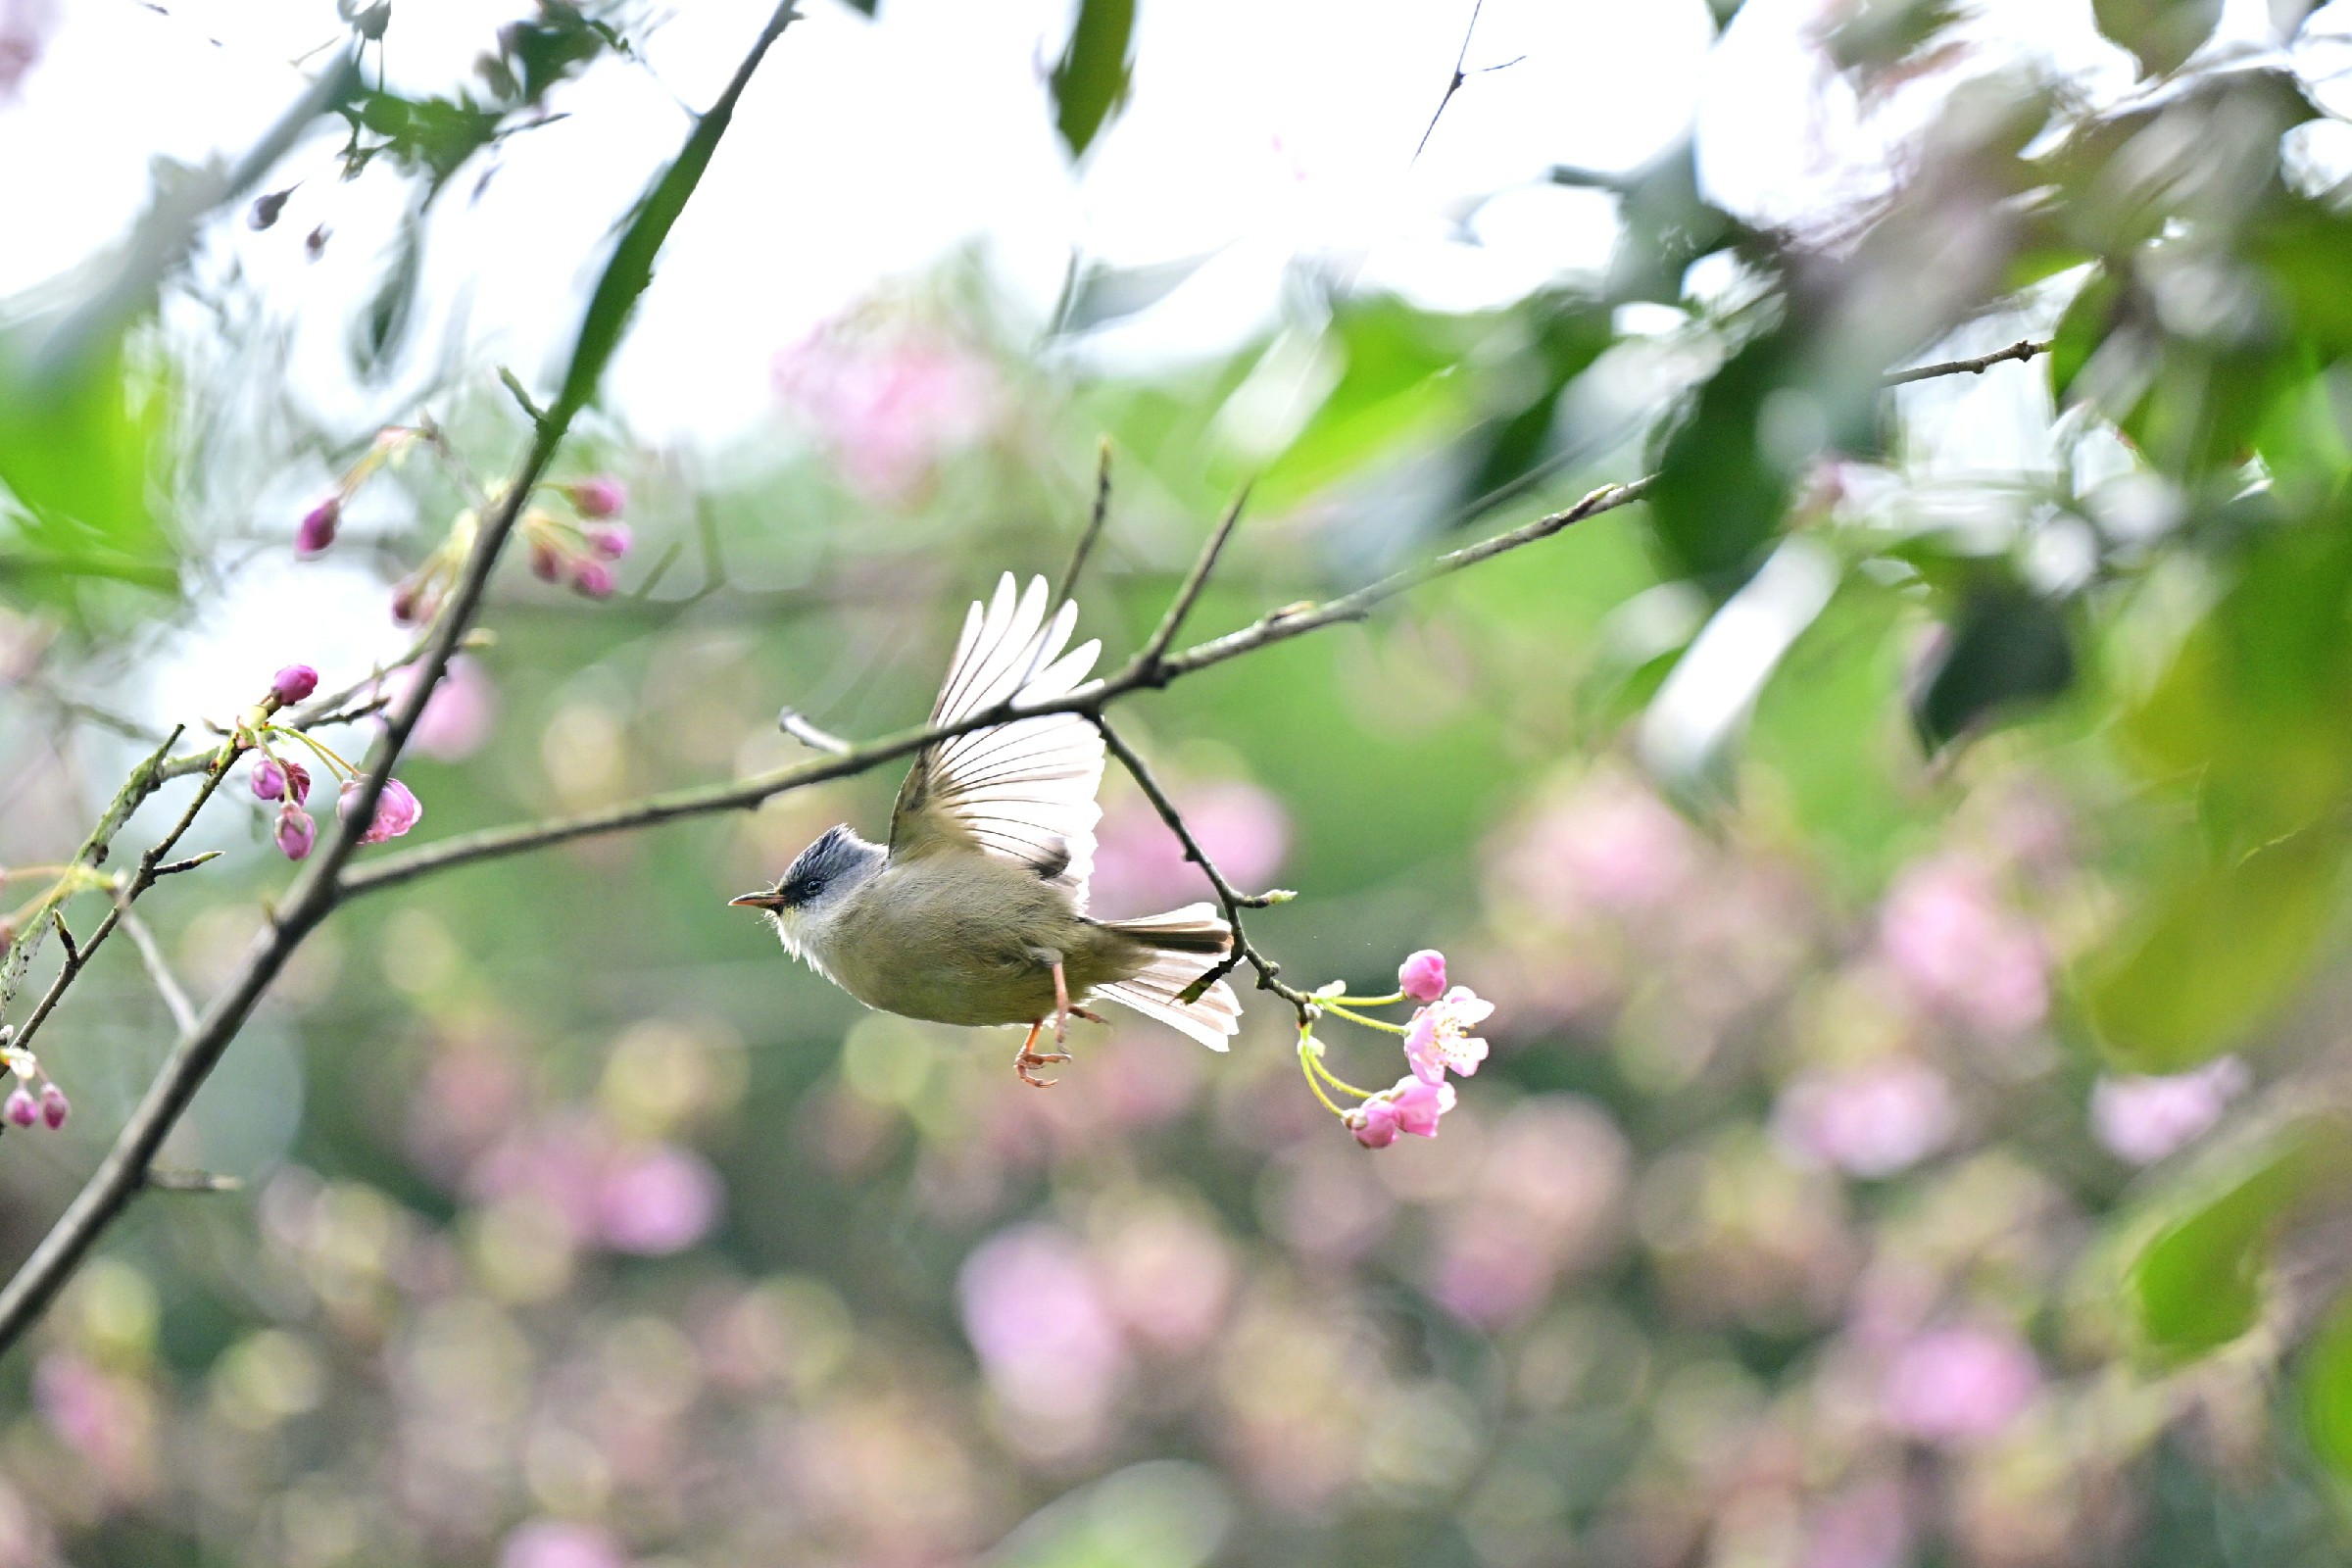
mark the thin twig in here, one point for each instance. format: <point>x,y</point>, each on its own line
<point>2021,351</point>
<point>159,970</point>
<point>1094,527</point>
<point>791,722</point>
<point>1235,900</point>
<point>1148,662</point>
<point>1455,86</point>
<point>191,1181</point>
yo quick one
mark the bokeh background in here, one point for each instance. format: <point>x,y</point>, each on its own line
<point>1907,855</point>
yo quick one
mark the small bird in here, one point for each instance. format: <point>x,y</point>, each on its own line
<point>975,913</point>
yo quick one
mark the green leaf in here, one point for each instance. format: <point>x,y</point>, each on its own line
<point>2009,650</point>
<point>1101,295</point>
<point>1090,81</point>
<point>2081,329</point>
<point>84,453</point>
<point>1876,35</point>
<point>631,267</point>
<point>2198,1283</point>
<point>2220,954</point>
<point>2325,1388</point>
<point>2160,33</point>
<point>1719,493</point>
<point>1400,380</point>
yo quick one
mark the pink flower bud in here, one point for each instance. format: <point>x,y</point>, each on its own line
<point>317,528</point>
<point>21,1109</point>
<point>269,780</point>
<point>293,683</point>
<point>547,561</point>
<point>593,578</point>
<point>298,783</point>
<point>601,496</point>
<point>396,811</point>
<point>55,1108</point>
<point>1422,976</point>
<point>1374,1123</point>
<point>610,540</point>
<point>296,832</point>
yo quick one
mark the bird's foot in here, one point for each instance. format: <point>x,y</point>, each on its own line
<point>1028,1058</point>
<point>1089,1015</point>
<point>1061,1006</point>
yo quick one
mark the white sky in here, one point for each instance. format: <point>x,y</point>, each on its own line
<point>867,151</point>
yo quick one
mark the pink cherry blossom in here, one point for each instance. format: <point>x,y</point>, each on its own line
<point>560,1543</point>
<point>592,579</point>
<point>55,1106</point>
<point>269,780</point>
<point>1047,1339</point>
<point>1947,934</point>
<point>1438,1039</point>
<point>599,496</point>
<point>610,540</point>
<point>888,403</point>
<point>658,1200</point>
<point>1960,1385</point>
<point>2141,1120</point>
<point>1422,976</point>
<point>1413,1104</point>
<point>1869,1121</point>
<point>294,683</point>
<point>298,783</point>
<point>20,1108</point>
<point>296,833</point>
<point>397,810</point>
<point>317,528</point>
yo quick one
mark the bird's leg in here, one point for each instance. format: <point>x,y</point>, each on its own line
<point>1028,1056</point>
<point>1062,1004</point>
<point>1089,1015</point>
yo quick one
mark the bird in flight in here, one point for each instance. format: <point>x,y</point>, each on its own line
<point>976,912</point>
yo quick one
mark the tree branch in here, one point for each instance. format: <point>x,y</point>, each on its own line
<point>318,888</point>
<point>1094,526</point>
<point>2021,351</point>
<point>1269,973</point>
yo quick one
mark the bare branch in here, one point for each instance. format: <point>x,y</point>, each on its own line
<point>1146,666</point>
<point>1455,86</point>
<point>2021,351</point>
<point>1269,973</point>
<point>792,723</point>
<point>1094,526</point>
<point>151,953</point>
<point>191,1181</point>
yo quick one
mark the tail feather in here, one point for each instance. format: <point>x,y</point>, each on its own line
<point>1184,937</point>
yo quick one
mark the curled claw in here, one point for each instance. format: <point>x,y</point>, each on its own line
<point>1028,1058</point>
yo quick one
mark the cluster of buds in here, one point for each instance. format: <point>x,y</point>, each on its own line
<point>36,1100</point>
<point>288,782</point>
<point>319,526</point>
<point>580,550</point>
<point>1437,1040</point>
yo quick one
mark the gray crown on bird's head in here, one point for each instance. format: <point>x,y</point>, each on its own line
<point>838,860</point>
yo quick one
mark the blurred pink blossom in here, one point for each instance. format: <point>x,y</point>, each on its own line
<point>1545,1200</point>
<point>1866,1527</point>
<point>560,1543</point>
<point>24,29</point>
<point>1044,1336</point>
<point>657,1200</point>
<point>1612,845</point>
<point>1953,942</point>
<point>1960,1385</point>
<point>397,809</point>
<point>1868,1121</point>
<point>1166,1277</point>
<point>2143,1119</point>
<point>458,716</point>
<point>108,1419</point>
<point>1438,1039</point>
<point>888,401</point>
<point>1139,866</point>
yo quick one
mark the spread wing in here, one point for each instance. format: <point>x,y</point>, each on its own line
<point>1022,790</point>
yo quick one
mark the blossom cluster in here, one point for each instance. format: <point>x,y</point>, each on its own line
<point>287,781</point>
<point>1437,1041</point>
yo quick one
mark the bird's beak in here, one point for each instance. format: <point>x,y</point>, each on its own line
<point>756,901</point>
